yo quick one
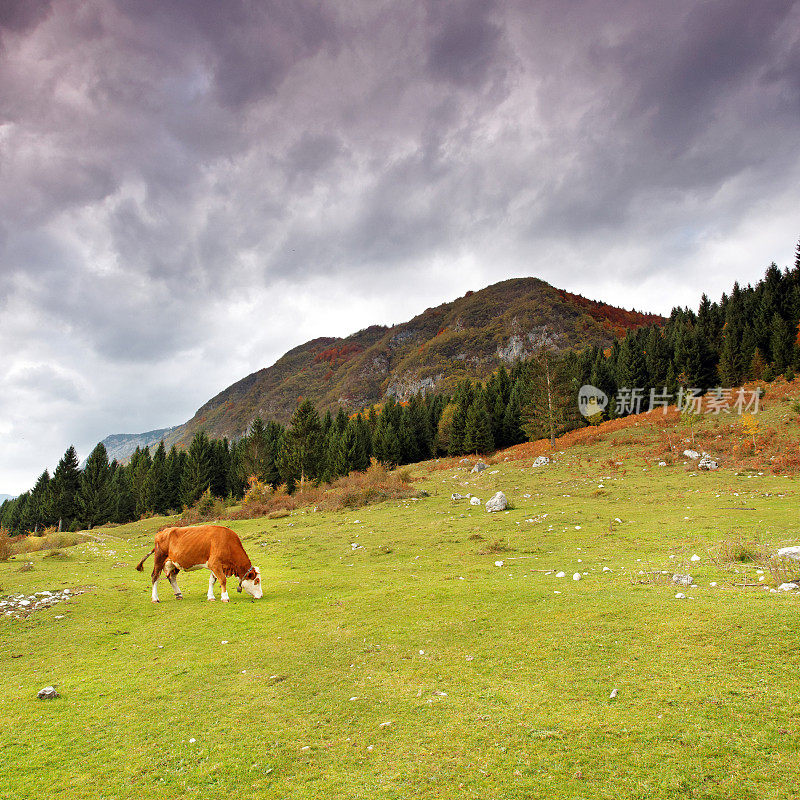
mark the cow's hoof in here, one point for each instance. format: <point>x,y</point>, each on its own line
<point>179,597</point>
<point>155,601</point>
<point>225,601</point>
<point>211,599</point>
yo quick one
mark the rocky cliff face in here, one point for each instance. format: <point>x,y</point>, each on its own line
<point>467,338</point>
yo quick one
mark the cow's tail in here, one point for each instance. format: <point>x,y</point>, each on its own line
<point>140,565</point>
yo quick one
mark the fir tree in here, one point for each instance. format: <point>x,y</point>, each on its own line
<point>65,483</point>
<point>196,476</point>
<point>95,502</point>
<point>478,429</point>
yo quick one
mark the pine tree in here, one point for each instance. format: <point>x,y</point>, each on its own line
<point>458,426</point>
<point>478,429</point>
<point>196,477</point>
<point>95,502</point>
<point>304,443</point>
<point>65,483</point>
<point>123,500</point>
<point>156,488</point>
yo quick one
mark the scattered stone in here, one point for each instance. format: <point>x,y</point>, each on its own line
<point>385,725</point>
<point>437,693</point>
<point>691,454</point>
<point>479,467</point>
<point>613,694</point>
<point>540,461</point>
<point>576,576</point>
<point>695,557</point>
<point>457,496</point>
<point>48,693</point>
<point>497,503</point>
<point>606,569</point>
<point>192,740</point>
<point>474,501</point>
<point>662,463</point>
<point>788,587</point>
<point>713,584</point>
<point>561,574</point>
<point>683,580</point>
<point>706,462</point>
<point>498,563</point>
<point>680,596</point>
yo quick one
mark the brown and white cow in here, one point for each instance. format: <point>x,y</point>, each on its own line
<point>214,547</point>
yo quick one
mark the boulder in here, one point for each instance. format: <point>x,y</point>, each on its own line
<point>48,693</point>
<point>790,552</point>
<point>561,574</point>
<point>683,580</point>
<point>479,467</point>
<point>497,503</point>
<point>457,496</point>
<point>540,461</point>
<point>474,501</point>
<point>706,462</point>
<point>788,587</point>
<point>576,576</point>
<point>691,454</point>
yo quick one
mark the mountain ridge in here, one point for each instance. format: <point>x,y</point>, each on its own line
<point>468,337</point>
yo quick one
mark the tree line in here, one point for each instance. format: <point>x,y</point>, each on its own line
<point>750,334</point>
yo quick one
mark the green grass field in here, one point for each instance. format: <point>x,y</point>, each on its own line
<point>391,657</point>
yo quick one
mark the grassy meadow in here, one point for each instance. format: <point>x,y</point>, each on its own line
<point>391,655</point>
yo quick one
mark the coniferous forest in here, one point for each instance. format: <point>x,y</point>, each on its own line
<point>751,334</point>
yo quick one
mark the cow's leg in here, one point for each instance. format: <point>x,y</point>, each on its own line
<point>158,565</point>
<point>219,573</point>
<point>172,576</point>
<point>211,581</point>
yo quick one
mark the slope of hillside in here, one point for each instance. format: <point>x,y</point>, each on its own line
<point>466,338</point>
<point>120,446</point>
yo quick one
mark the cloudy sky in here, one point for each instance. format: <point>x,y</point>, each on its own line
<point>189,188</point>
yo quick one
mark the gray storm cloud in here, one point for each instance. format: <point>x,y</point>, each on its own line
<point>184,184</point>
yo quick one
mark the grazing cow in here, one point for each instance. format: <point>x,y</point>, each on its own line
<point>214,547</point>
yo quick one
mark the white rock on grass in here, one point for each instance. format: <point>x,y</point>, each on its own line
<point>479,467</point>
<point>561,574</point>
<point>680,596</point>
<point>606,569</point>
<point>474,501</point>
<point>788,587</point>
<point>540,461</point>
<point>498,563</point>
<point>790,552</point>
<point>576,576</point>
<point>497,503</point>
<point>48,693</point>
<point>683,580</point>
<point>695,557</point>
<point>691,454</point>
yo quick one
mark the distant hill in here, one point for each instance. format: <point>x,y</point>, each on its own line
<point>120,446</point>
<point>4,497</point>
<point>467,338</point>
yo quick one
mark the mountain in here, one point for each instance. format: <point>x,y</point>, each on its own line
<point>120,446</point>
<point>4,497</point>
<point>466,338</point>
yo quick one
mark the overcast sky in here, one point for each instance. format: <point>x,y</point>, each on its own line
<point>188,189</point>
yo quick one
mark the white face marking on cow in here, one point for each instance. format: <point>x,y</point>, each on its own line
<point>253,587</point>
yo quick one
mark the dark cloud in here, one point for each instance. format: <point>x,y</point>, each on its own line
<point>189,188</point>
<point>20,15</point>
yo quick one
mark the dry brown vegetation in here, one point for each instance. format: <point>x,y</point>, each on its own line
<point>353,491</point>
<point>49,539</point>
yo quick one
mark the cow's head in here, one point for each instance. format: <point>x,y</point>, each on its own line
<point>251,583</point>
